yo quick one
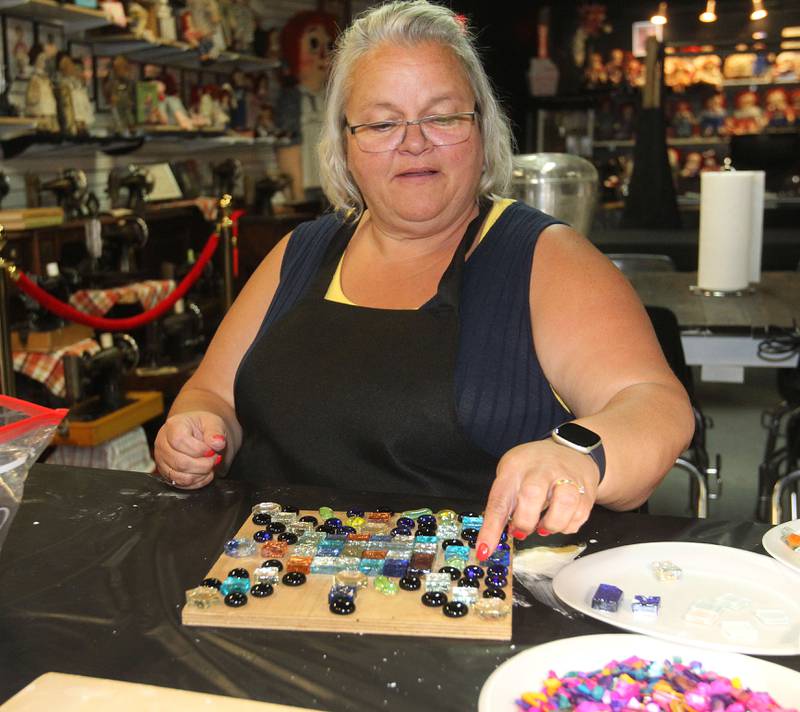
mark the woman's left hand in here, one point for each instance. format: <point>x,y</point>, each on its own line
<point>539,486</point>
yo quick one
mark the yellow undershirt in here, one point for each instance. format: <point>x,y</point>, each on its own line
<point>335,293</point>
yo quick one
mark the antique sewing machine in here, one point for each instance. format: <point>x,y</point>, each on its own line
<point>71,189</point>
<point>93,382</point>
<point>175,340</point>
<point>227,176</point>
<point>128,187</point>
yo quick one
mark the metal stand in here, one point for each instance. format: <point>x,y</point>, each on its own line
<point>7,385</point>
<point>701,292</point>
<point>228,245</point>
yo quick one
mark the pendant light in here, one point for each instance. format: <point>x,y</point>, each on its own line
<point>660,18</point>
<point>759,13</point>
<point>709,15</point>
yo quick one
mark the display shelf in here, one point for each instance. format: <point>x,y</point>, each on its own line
<point>758,82</point>
<point>612,144</point>
<point>13,126</point>
<point>178,54</point>
<point>72,18</point>
<point>38,144</point>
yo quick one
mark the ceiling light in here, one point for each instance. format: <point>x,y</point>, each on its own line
<point>709,15</point>
<point>660,18</point>
<point>759,13</point>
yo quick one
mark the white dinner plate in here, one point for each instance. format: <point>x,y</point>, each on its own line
<point>756,586</point>
<point>526,670</point>
<point>776,548</point>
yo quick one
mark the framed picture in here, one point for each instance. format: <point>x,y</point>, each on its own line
<point>19,38</point>
<point>640,31</point>
<point>82,54</point>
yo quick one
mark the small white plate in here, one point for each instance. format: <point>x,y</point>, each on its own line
<point>709,571</point>
<point>526,671</point>
<point>777,548</point>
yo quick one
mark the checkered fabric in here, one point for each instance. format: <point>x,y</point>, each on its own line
<point>98,302</point>
<point>48,368</point>
<point>128,451</point>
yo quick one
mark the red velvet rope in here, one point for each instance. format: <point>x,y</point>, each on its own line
<point>66,311</point>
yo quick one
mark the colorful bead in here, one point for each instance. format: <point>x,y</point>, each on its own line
<point>666,571</point>
<point>355,579</point>
<point>325,513</point>
<point>309,519</point>
<point>492,592</point>
<point>446,516</point>
<point>233,584</point>
<point>299,564</point>
<point>492,608</point>
<point>434,599</point>
<point>455,609</point>
<point>261,519</point>
<point>473,572</point>
<point>240,548</point>
<point>266,508</point>
<point>261,590</point>
<point>451,571</point>
<point>606,598</point>
<point>203,597</point>
<point>410,583</point>
<point>294,578</point>
<point>465,594</point>
<point>416,513</point>
<point>236,599</point>
<point>262,536</point>
<point>406,522</point>
<point>276,527</point>
<point>212,583</point>
<point>646,606</point>
<point>386,585</point>
<point>342,606</point>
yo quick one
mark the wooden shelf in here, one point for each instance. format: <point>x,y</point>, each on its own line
<point>145,405</point>
<point>13,126</point>
<point>72,18</point>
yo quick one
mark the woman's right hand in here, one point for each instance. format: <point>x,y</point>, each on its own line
<point>189,447</point>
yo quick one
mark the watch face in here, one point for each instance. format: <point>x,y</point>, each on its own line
<point>578,435</point>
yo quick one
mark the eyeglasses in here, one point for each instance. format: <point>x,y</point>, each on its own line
<point>439,129</point>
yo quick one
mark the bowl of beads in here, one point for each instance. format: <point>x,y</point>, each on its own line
<point>595,673</point>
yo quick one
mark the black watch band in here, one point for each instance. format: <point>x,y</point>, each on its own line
<point>599,456</point>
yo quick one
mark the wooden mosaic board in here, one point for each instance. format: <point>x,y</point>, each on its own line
<point>306,607</point>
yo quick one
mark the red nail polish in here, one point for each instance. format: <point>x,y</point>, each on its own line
<point>518,534</point>
<point>209,453</point>
<point>541,531</point>
<point>218,459</point>
<point>483,552</point>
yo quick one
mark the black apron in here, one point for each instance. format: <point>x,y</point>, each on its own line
<point>360,398</point>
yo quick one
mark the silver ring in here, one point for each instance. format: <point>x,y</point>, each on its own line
<point>566,481</point>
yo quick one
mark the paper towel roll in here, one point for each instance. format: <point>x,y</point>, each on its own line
<point>731,216</point>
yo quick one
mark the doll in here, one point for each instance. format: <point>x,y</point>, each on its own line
<point>712,118</point>
<point>20,53</point>
<point>40,101</point>
<point>76,108</point>
<point>708,70</point>
<point>615,69</point>
<point>202,28</point>
<point>265,123</point>
<point>748,117</point>
<point>596,75</point>
<point>634,71</point>
<point>119,91</point>
<point>242,24</point>
<point>779,113</point>
<point>710,162</point>
<point>738,66</point>
<point>787,66</point>
<point>678,73</point>
<point>166,21</point>
<point>683,121</point>
<point>171,105</point>
<point>307,40</point>
<point>241,86</point>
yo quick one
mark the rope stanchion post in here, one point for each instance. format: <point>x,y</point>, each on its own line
<point>228,245</point>
<point>7,384</point>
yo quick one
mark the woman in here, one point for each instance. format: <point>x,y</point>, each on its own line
<point>397,352</point>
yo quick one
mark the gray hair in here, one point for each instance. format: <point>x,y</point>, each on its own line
<point>408,24</point>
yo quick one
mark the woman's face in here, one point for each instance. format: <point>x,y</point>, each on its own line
<point>417,187</point>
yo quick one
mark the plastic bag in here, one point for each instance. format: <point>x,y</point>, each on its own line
<point>25,430</point>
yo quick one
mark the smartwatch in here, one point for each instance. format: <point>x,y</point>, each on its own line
<point>583,440</point>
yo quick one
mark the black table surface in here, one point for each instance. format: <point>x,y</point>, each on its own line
<point>93,574</point>
<point>774,304</point>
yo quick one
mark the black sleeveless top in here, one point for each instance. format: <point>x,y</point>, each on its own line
<point>492,386</point>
